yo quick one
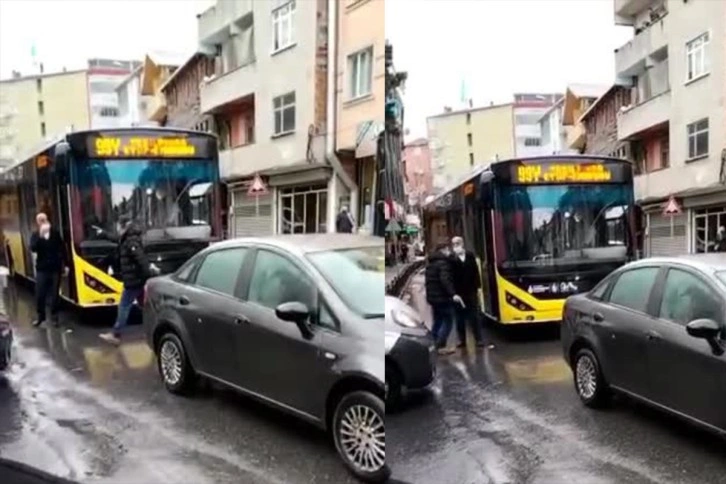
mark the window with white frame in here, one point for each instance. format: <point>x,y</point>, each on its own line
<point>697,56</point>
<point>283,30</point>
<point>284,113</point>
<point>360,66</point>
<point>698,139</point>
<point>303,209</point>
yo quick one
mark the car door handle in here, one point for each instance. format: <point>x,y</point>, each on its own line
<point>598,317</point>
<point>184,301</point>
<point>241,320</point>
<point>652,336</point>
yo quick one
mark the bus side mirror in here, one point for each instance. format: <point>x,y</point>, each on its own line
<point>61,155</point>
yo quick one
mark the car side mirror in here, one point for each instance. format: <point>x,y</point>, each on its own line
<point>298,313</point>
<point>707,329</point>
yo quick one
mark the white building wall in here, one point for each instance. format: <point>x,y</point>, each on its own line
<point>527,131</point>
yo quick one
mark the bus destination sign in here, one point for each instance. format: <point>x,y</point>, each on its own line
<point>563,173</point>
<point>129,146</point>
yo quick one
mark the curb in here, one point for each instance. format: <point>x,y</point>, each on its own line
<point>20,473</point>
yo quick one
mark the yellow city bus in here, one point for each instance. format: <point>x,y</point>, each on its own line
<point>166,180</point>
<point>542,229</point>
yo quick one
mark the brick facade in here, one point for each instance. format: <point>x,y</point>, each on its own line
<point>182,94</point>
<point>601,124</point>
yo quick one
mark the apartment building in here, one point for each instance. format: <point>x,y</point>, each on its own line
<point>39,107</point>
<point>131,104</point>
<point>601,124</point>
<point>360,91</point>
<point>104,76</point>
<point>419,176</point>
<point>554,138</point>
<point>461,140</point>
<point>676,118</point>
<point>157,68</point>
<point>181,93</point>
<point>578,99</point>
<point>529,108</point>
<point>270,91</point>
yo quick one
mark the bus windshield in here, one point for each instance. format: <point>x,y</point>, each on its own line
<point>562,224</point>
<point>169,199</point>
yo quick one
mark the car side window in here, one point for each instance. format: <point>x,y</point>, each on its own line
<point>186,271</point>
<point>220,270</point>
<point>599,292</point>
<point>633,287</point>
<point>276,280</point>
<point>686,298</point>
<point>325,317</point>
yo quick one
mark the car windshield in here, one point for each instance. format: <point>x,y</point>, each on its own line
<point>560,224</point>
<point>357,275</point>
<point>169,199</point>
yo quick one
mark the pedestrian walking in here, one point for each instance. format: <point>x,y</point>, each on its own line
<point>441,295</point>
<point>135,271</point>
<point>50,263</point>
<point>467,282</point>
<point>344,221</point>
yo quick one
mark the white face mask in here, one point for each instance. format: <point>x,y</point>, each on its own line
<point>458,250</point>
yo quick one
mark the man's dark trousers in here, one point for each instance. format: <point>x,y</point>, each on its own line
<point>47,285</point>
<point>468,315</point>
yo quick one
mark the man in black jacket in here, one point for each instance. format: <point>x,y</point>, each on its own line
<point>467,282</point>
<point>135,271</point>
<point>441,295</point>
<point>50,259</point>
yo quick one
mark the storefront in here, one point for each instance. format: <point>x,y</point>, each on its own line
<point>293,201</point>
<point>693,229</point>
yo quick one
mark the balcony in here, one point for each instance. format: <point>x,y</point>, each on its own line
<point>576,136</point>
<point>215,22</point>
<point>649,114</point>
<point>156,107</point>
<point>630,8</point>
<point>633,56</point>
<point>228,88</point>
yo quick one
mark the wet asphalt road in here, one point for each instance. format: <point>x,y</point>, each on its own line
<point>78,408</point>
<point>510,415</point>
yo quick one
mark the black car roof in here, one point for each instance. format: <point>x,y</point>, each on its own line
<point>307,243</point>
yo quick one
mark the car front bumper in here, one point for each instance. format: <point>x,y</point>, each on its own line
<point>415,357</point>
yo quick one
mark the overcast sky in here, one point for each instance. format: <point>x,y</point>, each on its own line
<point>68,32</point>
<point>499,47</point>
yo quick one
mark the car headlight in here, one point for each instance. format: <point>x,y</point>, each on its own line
<point>405,319</point>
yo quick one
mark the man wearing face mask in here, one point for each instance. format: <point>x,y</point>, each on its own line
<point>467,281</point>
<point>50,259</point>
<point>135,271</point>
<point>441,295</point>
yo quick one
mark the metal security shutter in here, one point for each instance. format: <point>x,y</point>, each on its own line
<point>252,218</point>
<point>663,242</point>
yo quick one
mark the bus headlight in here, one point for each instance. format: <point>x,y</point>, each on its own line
<point>517,303</point>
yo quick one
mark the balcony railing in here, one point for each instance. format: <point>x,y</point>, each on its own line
<point>229,87</point>
<point>649,114</point>
<point>633,55</point>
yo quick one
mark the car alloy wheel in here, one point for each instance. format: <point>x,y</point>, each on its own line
<point>586,374</point>
<point>171,362</point>
<point>363,438</point>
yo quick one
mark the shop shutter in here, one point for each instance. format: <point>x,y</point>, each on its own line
<point>252,218</point>
<point>663,241</point>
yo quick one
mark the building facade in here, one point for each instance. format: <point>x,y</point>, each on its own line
<point>131,104</point>
<point>157,68</point>
<point>461,140</point>
<point>601,124</point>
<point>419,176</point>
<point>40,107</point>
<point>554,137</point>
<point>274,64</point>
<point>578,99</point>
<point>360,91</point>
<point>181,93</point>
<point>676,118</point>
<point>104,76</point>
<point>528,111</point>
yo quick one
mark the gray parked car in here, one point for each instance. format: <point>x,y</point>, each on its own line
<point>654,330</point>
<point>410,352</point>
<point>294,321</point>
